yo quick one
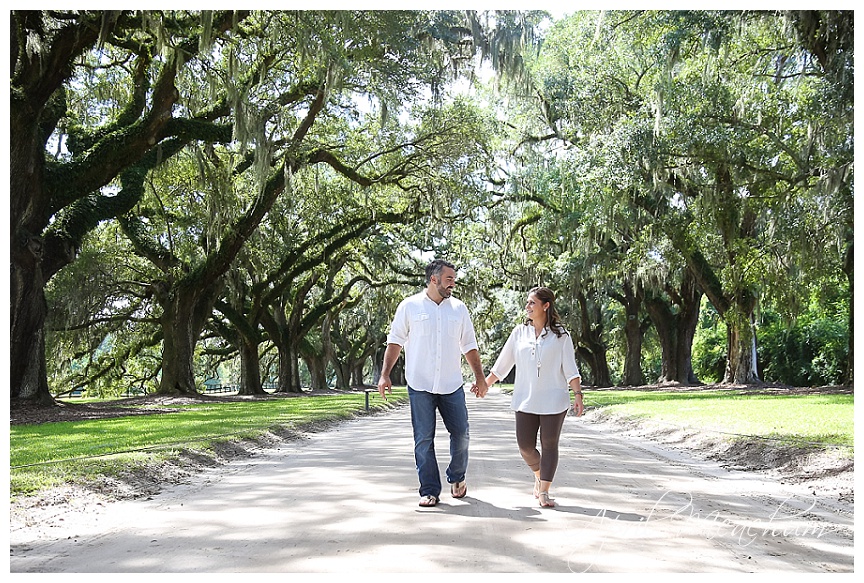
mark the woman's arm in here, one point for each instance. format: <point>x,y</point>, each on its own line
<point>491,379</point>
<point>506,359</point>
<point>576,387</point>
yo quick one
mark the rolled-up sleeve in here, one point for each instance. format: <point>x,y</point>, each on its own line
<point>468,339</point>
<point>568,360</point>
<point>399,328</point>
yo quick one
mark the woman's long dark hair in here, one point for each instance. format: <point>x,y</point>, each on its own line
<point>553,320</point>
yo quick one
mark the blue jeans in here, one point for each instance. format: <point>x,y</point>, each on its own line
<point>454,413</point>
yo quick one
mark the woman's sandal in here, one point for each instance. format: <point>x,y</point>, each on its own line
<point>546,501</point>
<point>428,501</point>
<point>536,487</point>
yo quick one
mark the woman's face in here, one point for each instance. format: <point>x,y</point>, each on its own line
<point>535,308</point>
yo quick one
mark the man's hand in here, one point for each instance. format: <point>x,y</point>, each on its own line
<point>390,356</point>
<point>384,384</point>
<point>486,384</point>
<point>480,388</point>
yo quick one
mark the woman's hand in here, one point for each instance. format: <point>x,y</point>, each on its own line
<point>489,381</point>
<point>578,406</point>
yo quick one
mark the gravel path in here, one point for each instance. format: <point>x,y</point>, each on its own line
<point>345,500</point>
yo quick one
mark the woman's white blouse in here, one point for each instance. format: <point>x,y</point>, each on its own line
<point>544,368</point>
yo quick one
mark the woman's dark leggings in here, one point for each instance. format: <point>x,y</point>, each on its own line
<point>527,425</point>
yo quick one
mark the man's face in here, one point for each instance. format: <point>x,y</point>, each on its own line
<point>445,282</point>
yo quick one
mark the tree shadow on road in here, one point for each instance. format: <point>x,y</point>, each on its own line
<point>474,507</point>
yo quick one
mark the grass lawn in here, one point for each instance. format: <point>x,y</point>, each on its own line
<point>824,419</point>
<point>50,454</point>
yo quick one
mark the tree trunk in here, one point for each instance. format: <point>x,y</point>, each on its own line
<point>343,374</point>
<point>598,365</point>
<point>29,210</point>
<point>741,347</point>
<point>289,370</point>
<point>317,366</point>
<point>634,331</point>
<point>591,347</point>
<point>277,327</point>
<point>285,373</point>
<point>376,370</point>
<point>250,368</point>
<point>397,375</point>
<point>178,349</point>
<point>242,333</point>
<point>186,305</point>
<point>357,374</point>
<point>27,370</point>
<point>342,370</point>
<point>685,329</point>
<point>675,318</point>
<point>736,308</point>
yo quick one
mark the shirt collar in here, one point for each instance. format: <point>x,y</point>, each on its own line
<point>426,297</point>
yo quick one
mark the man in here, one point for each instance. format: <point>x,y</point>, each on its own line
<point>435,329</point>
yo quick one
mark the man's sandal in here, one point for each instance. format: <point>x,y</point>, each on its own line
<point>459,489</point>
<point>546,501</point>
<point>428,501</point>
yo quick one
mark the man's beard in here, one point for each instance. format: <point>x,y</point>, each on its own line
<point>444,292</point>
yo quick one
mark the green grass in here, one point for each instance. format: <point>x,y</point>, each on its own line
<point>50,454</point>
<point>821,419</point>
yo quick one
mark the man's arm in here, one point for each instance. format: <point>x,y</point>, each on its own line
<point>473,358</point>
<point>391,355</point>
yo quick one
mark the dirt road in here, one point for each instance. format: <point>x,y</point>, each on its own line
<point>345,500</point>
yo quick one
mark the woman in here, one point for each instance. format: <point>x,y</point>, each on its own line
<point>543,353</point>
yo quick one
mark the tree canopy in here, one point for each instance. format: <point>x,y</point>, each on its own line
<point>245,195</point>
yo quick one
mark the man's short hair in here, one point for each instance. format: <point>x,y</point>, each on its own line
<point>436,267</point>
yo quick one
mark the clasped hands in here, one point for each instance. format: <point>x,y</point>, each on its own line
<point>478,390</point>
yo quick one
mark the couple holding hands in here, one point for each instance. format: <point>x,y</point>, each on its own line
<point>435,330</point>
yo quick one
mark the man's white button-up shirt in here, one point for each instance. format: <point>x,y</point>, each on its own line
<point>434,336</point>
